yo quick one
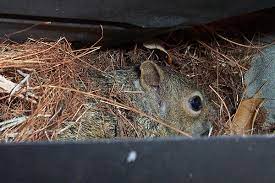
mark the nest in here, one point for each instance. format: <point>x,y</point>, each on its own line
<point>52,83</point>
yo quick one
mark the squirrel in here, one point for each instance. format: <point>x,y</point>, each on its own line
<point>153,89</point>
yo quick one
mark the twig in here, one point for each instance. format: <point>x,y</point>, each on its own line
<point>228,113</point>
<point>19,85</point>
<point>233,63</point>
<point>12,122</point>
<point>28,28</point>
<point>238,44</point>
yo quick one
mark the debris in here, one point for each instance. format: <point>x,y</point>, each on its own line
<point>132,156</point>
<point>20,85</point>
<point>153,45</point>
<point>12,123</point>
<point>50,63</point>
<point>7,86</point>
<point>243,121</point>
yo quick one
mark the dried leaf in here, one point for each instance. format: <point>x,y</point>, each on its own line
<point>7,86</point>
<point>155,45</point>
<point>245,116</point>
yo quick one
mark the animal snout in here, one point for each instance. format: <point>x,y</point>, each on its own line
<point>207,129</point>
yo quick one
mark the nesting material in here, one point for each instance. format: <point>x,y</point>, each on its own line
<point>48,84</point>
<point>50,68</point>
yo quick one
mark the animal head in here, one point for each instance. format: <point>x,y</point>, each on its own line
<point>170,96</point>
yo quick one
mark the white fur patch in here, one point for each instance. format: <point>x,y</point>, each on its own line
<point>163,109</point>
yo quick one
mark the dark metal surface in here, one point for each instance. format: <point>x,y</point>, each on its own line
<point>232,160</point>
<point>142,13</point>
<point>122,20</point>
<point>19,30</point>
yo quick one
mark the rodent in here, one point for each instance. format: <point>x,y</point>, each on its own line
<point>155,90</point>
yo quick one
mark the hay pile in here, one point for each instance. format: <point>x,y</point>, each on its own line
<point>44,100</point>
<point>52,81</point>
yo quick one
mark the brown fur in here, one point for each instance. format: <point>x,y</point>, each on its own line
<point>158,91</point>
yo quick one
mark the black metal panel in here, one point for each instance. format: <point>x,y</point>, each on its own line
<point>20,29</point>
<point>123,21</point>
<point>143,13</point>
<point>232,160</point>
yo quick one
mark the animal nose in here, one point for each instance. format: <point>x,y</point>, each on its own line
<point>206,133</point>
<point>208,129</point>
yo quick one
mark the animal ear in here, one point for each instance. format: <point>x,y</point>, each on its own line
<point>151,75</point>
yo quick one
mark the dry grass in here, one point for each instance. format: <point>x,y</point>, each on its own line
<point>60,77</point>
<point>49,64</point>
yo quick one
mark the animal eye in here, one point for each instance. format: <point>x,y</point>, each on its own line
<point>195,103</point>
